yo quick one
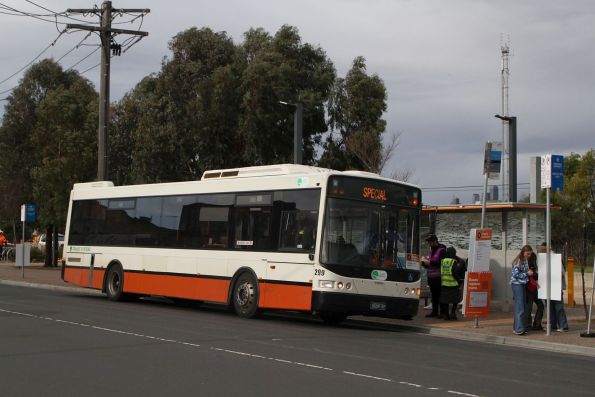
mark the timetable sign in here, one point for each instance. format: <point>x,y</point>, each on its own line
<point>552,172</point>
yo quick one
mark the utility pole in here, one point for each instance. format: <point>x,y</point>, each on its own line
<point>105,32</point>
<point>505,74</point>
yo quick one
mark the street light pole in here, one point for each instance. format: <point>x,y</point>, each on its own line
<point>297,130</point>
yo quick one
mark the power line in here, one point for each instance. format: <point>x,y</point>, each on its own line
<point>92,67</point>
<point>34,59</point>
<point>28,14</point>
<point>43,17</point>
<point>75,47</point>
<point>37,5</point>
<point>87,56</point>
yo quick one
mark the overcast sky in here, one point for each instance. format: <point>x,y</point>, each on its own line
<point>440,62</point>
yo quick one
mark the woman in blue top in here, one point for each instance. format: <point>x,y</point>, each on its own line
<point>518,280</point>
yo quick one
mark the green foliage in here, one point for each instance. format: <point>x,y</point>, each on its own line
<point>355,109</point>
<point>215,104</point>
<point>48,140</point>
<point>575,222</point>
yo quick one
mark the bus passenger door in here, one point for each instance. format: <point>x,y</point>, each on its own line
<point>289,282</point>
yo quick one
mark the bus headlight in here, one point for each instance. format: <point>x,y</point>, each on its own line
<point>326,284</point>
<point>348,286</point>
<point>340,285</point>
<point>413,292</point>
<point>406,291</point>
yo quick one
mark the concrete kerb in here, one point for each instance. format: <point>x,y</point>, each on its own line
<point>515,341</point>
<point>51,287</point>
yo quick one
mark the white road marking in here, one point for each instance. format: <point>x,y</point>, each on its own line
<point>367,376</point>
<point>410,384</point>
<point>462,394</point>
<point>116,331</point>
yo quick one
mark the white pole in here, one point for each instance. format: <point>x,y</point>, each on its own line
<point>591,305</point>
<point>483,204</point>
<point>548,280</point>
<point>23,251</point>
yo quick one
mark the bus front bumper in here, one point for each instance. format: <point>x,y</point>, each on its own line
<point>366,305</point>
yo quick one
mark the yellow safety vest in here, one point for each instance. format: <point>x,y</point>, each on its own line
<point>446,272</point>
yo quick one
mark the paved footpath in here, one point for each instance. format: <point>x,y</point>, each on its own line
<point>496,329</point>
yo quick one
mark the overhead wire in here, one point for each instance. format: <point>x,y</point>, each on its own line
<point>81,60</point>
<point>43,17</point>
<point>92,67</point>
<point>34,59</point>
<point>8,10</point>
<point>75,47</point>
<point>28,14</point>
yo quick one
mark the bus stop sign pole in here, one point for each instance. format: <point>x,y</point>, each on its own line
<point>23,217</point>
<point>588,333</point>
<point>28,214</point>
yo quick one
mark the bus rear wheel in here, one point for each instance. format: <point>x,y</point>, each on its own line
<point>114,287</point>
<point>245,296</point>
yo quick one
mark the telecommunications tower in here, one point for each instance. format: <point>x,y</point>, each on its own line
<point>505,141</point>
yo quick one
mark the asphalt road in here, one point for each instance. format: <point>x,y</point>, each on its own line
<point>59,343</point>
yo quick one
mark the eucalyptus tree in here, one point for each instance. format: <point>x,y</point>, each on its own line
<point>282,68</point>
<point>356,107</point>
<point>48,142</point>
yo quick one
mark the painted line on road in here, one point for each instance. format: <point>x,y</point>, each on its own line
<point>313,366</point>
<point>458,393</point>
<point>413,384</point>
<point>115,331</point>
<point>368,376</point>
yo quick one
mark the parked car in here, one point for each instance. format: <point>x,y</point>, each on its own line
<point>41,242</point>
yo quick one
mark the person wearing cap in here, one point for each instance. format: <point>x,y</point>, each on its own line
<point>432,264</point>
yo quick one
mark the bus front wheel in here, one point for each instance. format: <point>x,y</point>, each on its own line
<point>115,284</point>
<point>245,296</point>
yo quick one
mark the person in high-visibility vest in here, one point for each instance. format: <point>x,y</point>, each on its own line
<point>451,274</point>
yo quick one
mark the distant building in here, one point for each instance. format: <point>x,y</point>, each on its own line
<point>455,200</point>
<point>494,192</point>
<point>476,198</point>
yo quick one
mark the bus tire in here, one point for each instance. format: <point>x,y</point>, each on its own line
<point>114,284</point>
<point>332,318</point>
<point>245,296</point>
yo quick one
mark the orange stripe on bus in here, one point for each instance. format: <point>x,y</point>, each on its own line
<point>285,296</point>
<point>206,289</point>
<point>80,276</point>
<point>272,295</point>
<point>77,276</point>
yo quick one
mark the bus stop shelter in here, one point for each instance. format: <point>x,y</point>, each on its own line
<point>513,224</point>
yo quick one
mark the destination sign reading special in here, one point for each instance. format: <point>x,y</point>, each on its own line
<point>374,194</point>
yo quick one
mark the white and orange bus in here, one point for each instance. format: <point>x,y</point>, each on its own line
<point>284,236</point>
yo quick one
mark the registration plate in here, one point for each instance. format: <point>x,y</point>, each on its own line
<point>377,305</point>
